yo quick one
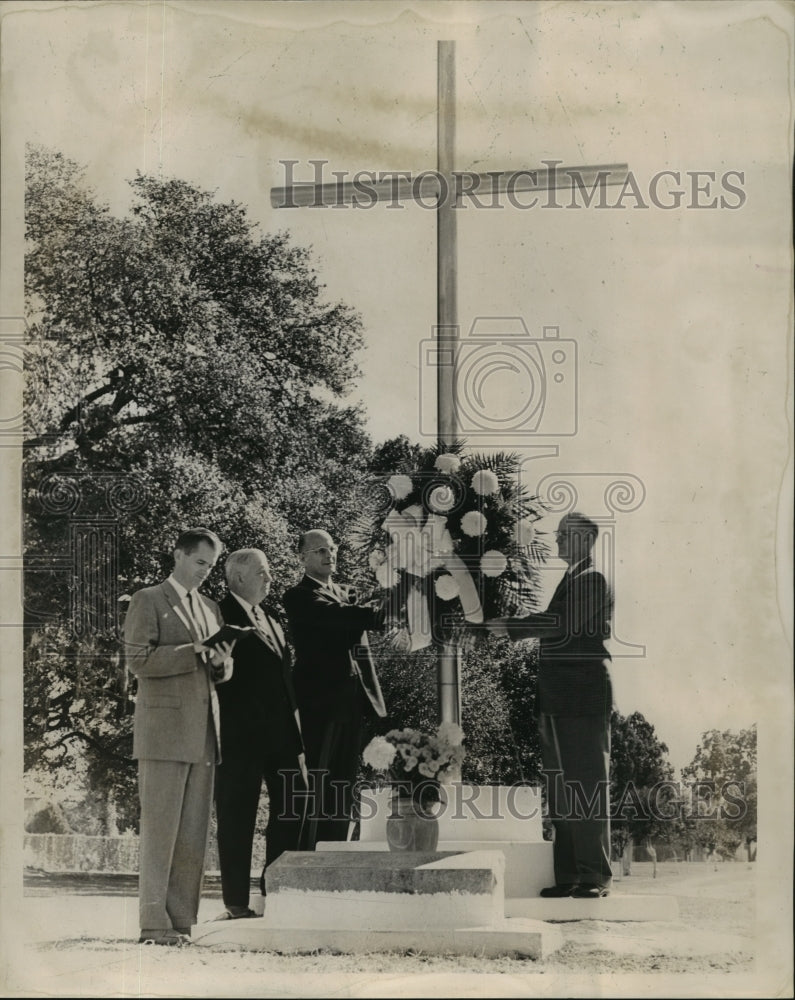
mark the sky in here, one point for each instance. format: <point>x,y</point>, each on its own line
<point>674,322</point>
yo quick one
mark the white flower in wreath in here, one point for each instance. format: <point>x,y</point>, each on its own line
<point>473,523</point>
<point>377,558</point>
<point>441,500</point>
<point>446,587</point>
<point>493,563</point>
<point>386,575</point>
<point>447,463</point>
<point>400,486</point>
<point>485,482</point>
<point>379,753</point>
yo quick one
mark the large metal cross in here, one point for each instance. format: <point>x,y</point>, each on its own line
<point>446,188</point>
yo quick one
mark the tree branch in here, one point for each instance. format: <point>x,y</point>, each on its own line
<point>94,744</point>
<point>114,377</point>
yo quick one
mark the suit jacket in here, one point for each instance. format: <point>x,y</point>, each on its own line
<point>258,706</point>
<point>175,688</point>
<point>330,640</point>
<point>573,676</point>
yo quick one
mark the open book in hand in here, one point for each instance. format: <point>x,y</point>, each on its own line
<point>227,633</point>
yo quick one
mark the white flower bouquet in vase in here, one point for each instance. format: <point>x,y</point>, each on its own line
<point>416,764</point>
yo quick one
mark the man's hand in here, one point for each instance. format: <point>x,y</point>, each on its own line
<point>217,653</point>
<point>220,659</point>
<point>221,653</point>
<point>379,602</point>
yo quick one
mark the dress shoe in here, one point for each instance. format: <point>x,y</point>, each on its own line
<point>558,891</point>
<point>591,891</point>
<point>236,913</point>
<point>171,937</point>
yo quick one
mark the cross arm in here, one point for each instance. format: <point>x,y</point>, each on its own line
<point>429,187</point>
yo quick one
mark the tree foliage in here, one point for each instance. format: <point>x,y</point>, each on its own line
<point>180,331</point>
<point>642,793</point>
<point>723,781</point>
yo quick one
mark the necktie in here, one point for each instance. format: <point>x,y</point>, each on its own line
<point>196,618</point>
<point>263,625</point>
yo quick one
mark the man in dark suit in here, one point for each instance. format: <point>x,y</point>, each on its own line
<point>574,704</point>
<point>261,737</point>
<point>335,683</point>
<point>176,735</point>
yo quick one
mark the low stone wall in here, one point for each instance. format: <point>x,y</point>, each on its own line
<point>74,852</point>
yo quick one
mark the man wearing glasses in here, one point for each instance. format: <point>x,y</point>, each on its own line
<point>574,705</point>
<point>335,683</point>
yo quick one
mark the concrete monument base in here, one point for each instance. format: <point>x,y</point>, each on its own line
<point>528,866</point>
<point>525,938</point>
<point>477,894</point>
<point>504,818</point>
<point>439,903</point>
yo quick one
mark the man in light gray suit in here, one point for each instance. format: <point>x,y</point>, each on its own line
<point>176,735</point>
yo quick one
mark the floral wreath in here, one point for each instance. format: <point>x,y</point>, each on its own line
<point>453,540</point>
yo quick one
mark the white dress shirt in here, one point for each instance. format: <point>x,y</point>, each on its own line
<point>199,619</point>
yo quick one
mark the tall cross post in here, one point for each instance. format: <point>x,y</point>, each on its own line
<point>449,662</point>
<point>445,185</point>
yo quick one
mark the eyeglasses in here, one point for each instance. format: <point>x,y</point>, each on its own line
<point>331,550</point>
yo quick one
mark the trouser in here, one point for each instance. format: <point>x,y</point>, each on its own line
<point>176,802</point>
<point>332,756</point>
<point>575,753</point>
<point>238,786</point>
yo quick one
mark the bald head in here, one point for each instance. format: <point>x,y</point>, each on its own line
<point>317,551</point>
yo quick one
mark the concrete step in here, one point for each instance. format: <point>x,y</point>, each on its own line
<point>384,890</point>
<point>616,906</point>
<point>528,866</point>
<point>517,937</point>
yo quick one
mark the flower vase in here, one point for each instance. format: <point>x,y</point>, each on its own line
<point>411,826</point>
